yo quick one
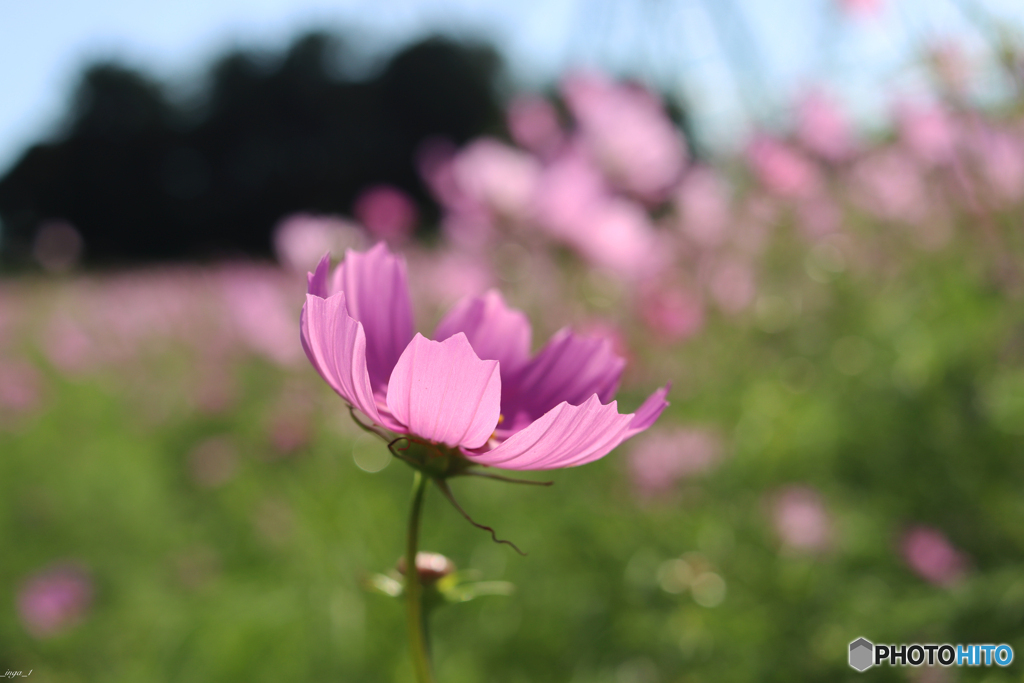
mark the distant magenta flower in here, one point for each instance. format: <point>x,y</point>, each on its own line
<point>801,519</point>
<point>932,557</point>
<point>477,391</point>
<point>54,600</point>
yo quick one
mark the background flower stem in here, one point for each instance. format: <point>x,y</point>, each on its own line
<point>414,590</point>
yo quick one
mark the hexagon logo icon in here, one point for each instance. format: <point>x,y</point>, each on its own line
<point>861,654</point>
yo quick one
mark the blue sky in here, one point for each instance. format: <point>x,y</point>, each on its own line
<point>694,46</point>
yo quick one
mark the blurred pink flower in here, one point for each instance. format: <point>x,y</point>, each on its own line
<point>388,213</point>
<point>20,387</point>
<point>574,206</point>
<point>860,8</point>
<point>932,557</point>
<point>801,520</point>
<point>732,285</point>
<point>497,177</point>
<point>782,169</point>
<point>822,128</point>
<point>534,124</point>
<point>628,132</point>
<point>929,132</point>
<point>260,312</point>
<point>442,277</point>
<point>661,459</point>
<point>889,185</point>
<point>357,332</point>
<point>999,157</point>
<point>702,202</point>
<point>673,312</point>
<point>67,345</point>
<point>301,239</point>
<point>819,216</point>
<point>54,600</point>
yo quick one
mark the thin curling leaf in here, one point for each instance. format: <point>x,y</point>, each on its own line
<point>376,290</point>
<point>336,346</point>
<point>565,436</point>
<point>496,331</point>
<point>442,392</point>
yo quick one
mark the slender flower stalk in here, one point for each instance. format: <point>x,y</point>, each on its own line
<point>417,620</point>
<point>475,399</point>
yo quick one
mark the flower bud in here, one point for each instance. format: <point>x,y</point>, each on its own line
<point>432,567</point>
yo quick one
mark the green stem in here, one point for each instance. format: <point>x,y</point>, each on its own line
<point>414,590</point>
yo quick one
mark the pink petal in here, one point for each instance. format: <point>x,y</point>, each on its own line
<point>565,436</point>
<point>376,291</point>
<point>496,331</point>
<point>317,281</point>
<point>336,346</point>
<point>443,392</point>
<point>569,368</point>
<point>649,411</point>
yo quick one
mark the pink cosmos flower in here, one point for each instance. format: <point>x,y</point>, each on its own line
<point>54,600</point>
<point>628,132</point>
<point>932,557</point>
<point>533,122</point>
<point>660,460</point>
<point>801,519</point>
<point>477,391</point>
<point>822,127</point>
<point>782,169</point>
<point>388,213</point>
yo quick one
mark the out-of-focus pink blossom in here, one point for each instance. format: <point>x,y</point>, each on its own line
<point>732,285</point>
<point>440,278</point>
<point>54,600</point>
<point>781,169</point>
<point>822,128</point>
<point>702,201</point>
<point>620,238</point>
<point>20,387</point>
<point>929,132</point>
<point>889,185</point>
<point>801,520</point>
<point>860,8</point>
<point>67,345</point>
<point>932,557</point>
<point>819,216</point>
<point>626,129</point>
<point>567,190</point>
<point>999,157</point>
<point>534,124</point>
<point>301,239</point>
<point>498,177</point>
<point>661,459</point>
<point>673,312</point>
<point>357,331</point>
<point>388,213</point>
<point>257,305</point>
<point>610,231</point>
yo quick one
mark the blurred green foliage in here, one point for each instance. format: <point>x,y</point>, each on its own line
<point>897,394</point>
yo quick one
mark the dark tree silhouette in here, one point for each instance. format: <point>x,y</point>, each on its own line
<point>144,179</point>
